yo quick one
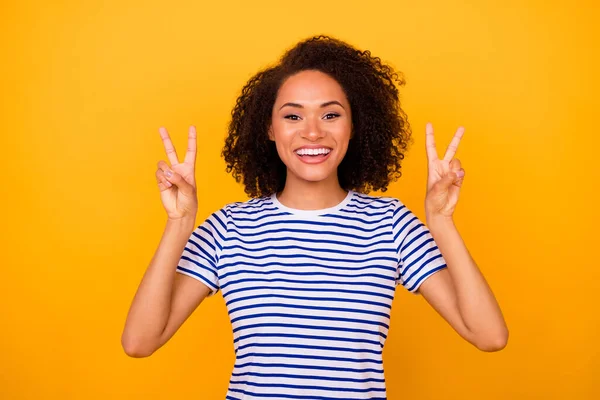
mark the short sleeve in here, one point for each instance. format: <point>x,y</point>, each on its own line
<point>200,257</point>
<point>418,254</point>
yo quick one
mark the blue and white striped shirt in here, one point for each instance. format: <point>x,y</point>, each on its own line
<point>309,292</point>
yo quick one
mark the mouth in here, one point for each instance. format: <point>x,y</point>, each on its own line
<point>313,155</point>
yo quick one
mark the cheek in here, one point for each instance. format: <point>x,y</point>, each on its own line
<point>343,134</point>
<point>281,151</point>
<point>283,133</point>
<point>282,141</point>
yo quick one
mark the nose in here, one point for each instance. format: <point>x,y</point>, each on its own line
<point>312,129</point>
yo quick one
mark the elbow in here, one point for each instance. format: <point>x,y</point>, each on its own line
<point>493,342</point>
<point>136,348</point>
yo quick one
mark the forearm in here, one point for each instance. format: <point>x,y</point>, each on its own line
<point>476,303</point>
<point>150,308</point>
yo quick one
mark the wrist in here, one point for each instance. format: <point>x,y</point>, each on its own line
<point>186,223</point>
<point>437,223</point>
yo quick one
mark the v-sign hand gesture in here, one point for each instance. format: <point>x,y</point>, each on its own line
<point>177,183</point>
<point>444,178</point>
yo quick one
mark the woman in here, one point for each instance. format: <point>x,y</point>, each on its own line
<point>308,267</point>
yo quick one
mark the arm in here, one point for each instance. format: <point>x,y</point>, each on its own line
<point>459,293</point>
<point>164,299</point>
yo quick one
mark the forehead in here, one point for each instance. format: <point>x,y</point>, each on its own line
<point>310,86</point>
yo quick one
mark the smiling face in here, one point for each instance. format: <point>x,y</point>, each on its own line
<point>311,125</point>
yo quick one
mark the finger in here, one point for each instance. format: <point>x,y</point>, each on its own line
<point>190,155</point>
<point>182,185</point>
<point>430,142</point>
<point>460,175</point>
<point>162,187</point>
<point>447,180</point>
<point>169,148</point>
<point>163,184</point>
<point>455,165</point>
<point>451,151</point>
<point>162,180</point>
<point>163,166</point>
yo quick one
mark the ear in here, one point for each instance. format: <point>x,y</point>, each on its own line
<point>270,133</point>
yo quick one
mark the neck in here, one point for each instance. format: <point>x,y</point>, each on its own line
<point>305,195</point>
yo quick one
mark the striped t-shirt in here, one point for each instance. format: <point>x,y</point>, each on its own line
<point>309,293</point>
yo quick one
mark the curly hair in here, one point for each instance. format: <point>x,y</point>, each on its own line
<point>381,132</point>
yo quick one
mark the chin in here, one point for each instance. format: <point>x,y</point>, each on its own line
<point>313,176</point>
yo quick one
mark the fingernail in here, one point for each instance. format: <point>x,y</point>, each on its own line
<point>169,173</point>
<point>460,173</point>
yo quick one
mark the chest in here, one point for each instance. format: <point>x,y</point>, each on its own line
<point>308,271</point>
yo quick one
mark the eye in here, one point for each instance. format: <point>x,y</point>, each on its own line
<point>331,115</point>
<point>292,117</point>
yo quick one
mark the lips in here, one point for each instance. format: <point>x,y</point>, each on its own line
<point>312,147</point>
<point>313,154</point>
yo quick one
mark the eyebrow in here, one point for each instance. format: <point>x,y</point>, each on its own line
<point>322,105</point>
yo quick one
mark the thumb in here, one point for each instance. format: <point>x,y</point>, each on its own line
<point>447,180</point>
<point>177,180</point>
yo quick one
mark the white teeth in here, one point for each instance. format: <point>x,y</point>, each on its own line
<point>312,152</point>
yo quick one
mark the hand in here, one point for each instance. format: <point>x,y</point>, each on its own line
<point>178,191</point>
<point>444,177</point>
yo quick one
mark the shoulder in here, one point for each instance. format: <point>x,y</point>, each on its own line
<point>243,208</point>
<point>376,202</point>
<point>395,211</point>
<point>220,220</point>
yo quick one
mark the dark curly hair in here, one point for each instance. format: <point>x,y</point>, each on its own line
<point>381,132</point>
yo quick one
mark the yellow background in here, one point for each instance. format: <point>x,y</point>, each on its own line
<point>86,84</point>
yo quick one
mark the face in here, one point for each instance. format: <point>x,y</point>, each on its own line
<point>311,126</point>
